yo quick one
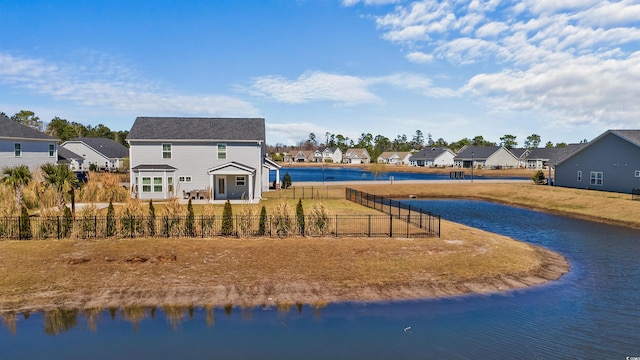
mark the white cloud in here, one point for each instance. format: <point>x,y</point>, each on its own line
<point>315,86</point>
<point>111,87</point>
<point>419,57</point>
<point>368,2</point>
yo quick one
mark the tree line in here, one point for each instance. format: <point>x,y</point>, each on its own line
<point>378,144</point>
<point>64,130</point>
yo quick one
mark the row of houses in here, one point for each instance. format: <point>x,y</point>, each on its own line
<point>225,158</point>
<point>329,154</point>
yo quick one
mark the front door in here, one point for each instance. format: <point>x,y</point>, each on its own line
<point>221,189</point>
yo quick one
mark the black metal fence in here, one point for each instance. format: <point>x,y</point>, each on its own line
<point>309,192</point>
<point>59,227</point>
<point>424,220</point>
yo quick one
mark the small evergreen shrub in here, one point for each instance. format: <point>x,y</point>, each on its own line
<point>25,224</point>
<point>227,220</point>
<point>300,217</point>
<point>189,225</point>
<point>67,222</point>
<point>151,219</point>
<point>262,227</point>
<point>286,181</point>
<point>111,220</point>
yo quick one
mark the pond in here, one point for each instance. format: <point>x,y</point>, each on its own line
<point>331,174</point>
<point>592,312</point>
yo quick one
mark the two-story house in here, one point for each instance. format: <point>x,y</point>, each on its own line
<point>22,145</point>
<point>203,158</point>
<point>105,154</point>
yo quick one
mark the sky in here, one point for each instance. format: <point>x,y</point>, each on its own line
<point>566,70</point>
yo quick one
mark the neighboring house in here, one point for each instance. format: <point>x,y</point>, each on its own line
<point>610,162</point>
<point>486,157</point>
<point>521,154</point>
<point>302,155</point>
<point>433,157</point>
<point>542,158</point>
<point>105,154</point>
<point>356,156</point>
<point>203,158</point>
<point>329,154</point>
<point>75,161</point>
<point>395,157</point>
<point>22,145</point>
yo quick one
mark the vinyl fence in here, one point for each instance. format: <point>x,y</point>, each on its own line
<point>428,222</point>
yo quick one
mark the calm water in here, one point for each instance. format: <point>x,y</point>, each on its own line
<point>591,313</point>
<point>329,174</point>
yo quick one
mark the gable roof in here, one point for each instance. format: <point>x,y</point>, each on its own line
<point>65,154</point>
<point>182,128</point>
<point>356,153</point>
<point>477,152</point>
<point>518,152</point>
<point>104,146</point>
<point>430,153</point>
<point>632,136</point>
<point>553,154</point>
<point>15,130</point>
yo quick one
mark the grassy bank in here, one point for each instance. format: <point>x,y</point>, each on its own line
<point>614,208</point>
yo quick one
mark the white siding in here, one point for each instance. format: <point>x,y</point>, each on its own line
<point>501,158</point>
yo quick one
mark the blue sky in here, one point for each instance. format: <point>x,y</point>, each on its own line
<point>566,70</point>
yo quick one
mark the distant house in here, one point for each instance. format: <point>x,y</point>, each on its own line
<point>356,156</point>
<point>201,158</point>
<point>432,157</point>
<point>75,161</point>
<point>610,162</point>
<point>22,145</point>
<point>105,154</point>
<point>328,154</point>
<point>302,155</point>
<point>521,154</point>
<point>543,158</point>
<point>394,157</point>
<point>486,157</point>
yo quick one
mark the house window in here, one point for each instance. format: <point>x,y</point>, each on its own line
<point>240,180</point>
<point>52,150</point>
<point>637,173</point>
<point>157,184</point>
<point>579,176</point>
<point>596,178</point>
<point>170,184</point>
<point>222,151</point>
<point>166,151</point>
<point>146,184</point>
<point>184,179</point>
<point>17,149</point>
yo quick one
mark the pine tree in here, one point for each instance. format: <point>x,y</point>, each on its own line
<point>227,220</point>
<point>151,219</point>
<point>25,224</point>
<point>300,217</point>
<point>189,223</point>
<point>111,220</point>
<point>286,181</point>
<point>262,227</point>
<point>67,222</point>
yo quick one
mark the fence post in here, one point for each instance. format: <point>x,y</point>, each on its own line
<point>58,227</point>
<point>369,227</point>
<point>336,225</point>
<point>95,226</point>
<point>390,225</point>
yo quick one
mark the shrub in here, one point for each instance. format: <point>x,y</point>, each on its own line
<point>319,218</point>
<point>286,181</point>
<point>538,178</point>
<point>67,222</point>
<point>262,227</point>
<point>246,219</point>
<point>208,218</point>
<point>281,218</point>
<point>111,220</point>
<point>300,217</point>
<point>189,224</point>
<point>227,220</point>
<point>25,224</point>
<point>151,219</point>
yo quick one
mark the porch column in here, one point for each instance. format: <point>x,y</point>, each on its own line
<point>277,178</point>
<point>251,188</point>
<point>211,188</point>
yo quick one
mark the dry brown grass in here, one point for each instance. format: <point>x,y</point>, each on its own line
<point>600,206</point>
<point>103,187</point>
<point>126,272</point>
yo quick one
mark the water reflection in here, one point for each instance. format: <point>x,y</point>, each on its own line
<point>58,321</point>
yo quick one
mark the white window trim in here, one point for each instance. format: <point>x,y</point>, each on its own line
<point>167,151</point>
<point>241,180</point>
<point>17,150</point>
<point>218,151</point>
<point>150,185</point>
<point>161,184</point>
<point>594,178</point>
<point>182,179</point>
<point>52,150</point>
<point>637,173</point>
<point>579,175</point>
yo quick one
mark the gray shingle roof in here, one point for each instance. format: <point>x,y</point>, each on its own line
<point>106,147</point>
<point>553,154</point>
<point>479,152</point>
<point>633,136</point>
<point>179,128</point>
<point>429,153</point>
<point>13,129</point>
<point>66,154</point>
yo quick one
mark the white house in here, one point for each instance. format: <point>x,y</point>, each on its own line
<point>433,157</point>
<point>202,158</point>
<point>488,157</point>
<point>395,157</point>
<point>105,154</point>
<point>22,145</point>
<point>75,161</point>
<point>330,154</point>
<point>356,156</point>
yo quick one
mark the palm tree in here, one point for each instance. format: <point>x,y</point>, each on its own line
<point>17,177</point>
<point>62,179</point>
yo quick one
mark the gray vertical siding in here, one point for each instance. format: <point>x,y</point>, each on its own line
<point>616,158</point>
